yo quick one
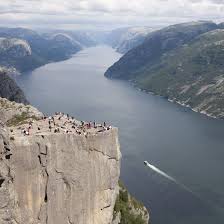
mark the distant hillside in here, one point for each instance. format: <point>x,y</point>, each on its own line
<point>43,50</point>
<point>193,74</point>
<point>125,39</point>
<point>9,88</point>
<point>14,47</point>
<point>184,63</point>
<point>155,45</point>
<point>82,38</point>
<point>13,51</point>
<point>85,38</point>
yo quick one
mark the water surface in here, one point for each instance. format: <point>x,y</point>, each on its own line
<point>187,146</point>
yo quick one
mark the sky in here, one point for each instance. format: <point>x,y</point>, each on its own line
<point>106,14</point>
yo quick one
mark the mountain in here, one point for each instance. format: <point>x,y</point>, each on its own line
<point>62,46</point>
<point>42,50</point>
<point>14,47</point>
<point>221,26</point>
<point>155,45</point>
<point>189,71</point>
<point>81,38</point>
<point>13,50</point>
<point>9,88</point>
<point>125,39</point>
<point>85,38</point>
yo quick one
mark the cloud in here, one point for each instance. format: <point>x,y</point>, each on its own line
<point>107,13</point>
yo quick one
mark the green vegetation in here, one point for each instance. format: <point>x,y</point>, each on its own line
<point>190,70</point>
<point>156,45</point>
<point>20,119</point>
<point>127,206</point>
<point>192,74</point>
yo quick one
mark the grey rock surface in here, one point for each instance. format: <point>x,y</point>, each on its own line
<point>8,110</point>
<point>58,178</point>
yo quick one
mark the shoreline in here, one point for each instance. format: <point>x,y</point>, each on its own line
<point>175,101</point>
<point>192,109</point>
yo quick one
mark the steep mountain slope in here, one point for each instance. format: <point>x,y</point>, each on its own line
<point>125,39</point>
<point>191,74</point>
<point>42,50</point>
<point>9,88</point>
<point>132,38</point>
<point>221,26</point>
<point>14,47</point>
<point>156,44</point>
<point>82,38</point>
<point>62,46</point>
<point>13,50</point>
<point>112,38</point>
<point>63,38</point>
<point>85,38</point>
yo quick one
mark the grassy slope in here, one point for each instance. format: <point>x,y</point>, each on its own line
<point>192,74</point>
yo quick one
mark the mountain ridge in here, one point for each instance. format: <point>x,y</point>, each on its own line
<point>190,73</point>
<point>43,49</point>
<point>156,44</point>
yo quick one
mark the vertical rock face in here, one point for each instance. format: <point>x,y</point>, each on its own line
<point>58,178</point>
<point>9,89</point>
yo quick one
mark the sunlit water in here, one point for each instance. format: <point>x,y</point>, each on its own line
<point>186,146</point>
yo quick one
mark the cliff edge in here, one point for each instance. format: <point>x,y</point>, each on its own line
<point>48,177</point>
<point>56,170</point>
<point>9,89</point>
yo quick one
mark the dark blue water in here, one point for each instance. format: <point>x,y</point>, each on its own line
<point>187,146</point>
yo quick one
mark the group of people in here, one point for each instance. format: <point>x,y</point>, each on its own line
<point>63,123</point>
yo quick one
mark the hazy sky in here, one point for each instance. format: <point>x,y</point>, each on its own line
<point>106,13</point>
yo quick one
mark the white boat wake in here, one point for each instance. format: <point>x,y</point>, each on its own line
<point>161,173</point>
<point>157,170</point>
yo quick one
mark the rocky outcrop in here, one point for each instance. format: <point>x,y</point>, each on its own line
<point>9,111</point>
<point>65,178</point>
<point>58,178</point>
<point>9,89</point>
<point>14,48</point>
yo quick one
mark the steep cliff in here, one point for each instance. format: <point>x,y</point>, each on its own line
<point>9,88</point>
<point>59,178</point>
<point>58,170</point>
